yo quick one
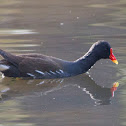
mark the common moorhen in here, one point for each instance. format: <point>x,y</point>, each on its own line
<point>42,66</point>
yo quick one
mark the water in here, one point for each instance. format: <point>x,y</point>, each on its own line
<point>64,29</point>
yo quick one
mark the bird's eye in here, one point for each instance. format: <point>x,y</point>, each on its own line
<point>106,49</point>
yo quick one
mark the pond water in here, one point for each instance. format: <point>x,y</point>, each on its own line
<point>65,29</point>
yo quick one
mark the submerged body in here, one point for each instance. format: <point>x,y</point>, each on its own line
<point>42,66</point>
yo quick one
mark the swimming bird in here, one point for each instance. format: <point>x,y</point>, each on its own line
<point>41,66</point>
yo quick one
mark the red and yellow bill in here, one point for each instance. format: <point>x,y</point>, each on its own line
<point>112,57</point>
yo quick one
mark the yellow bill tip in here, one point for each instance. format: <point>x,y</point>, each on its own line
<point>115,61</point>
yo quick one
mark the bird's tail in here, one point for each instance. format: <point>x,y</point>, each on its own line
<point>4,67</point>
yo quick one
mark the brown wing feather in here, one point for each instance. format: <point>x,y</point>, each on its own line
<point>29,65</point>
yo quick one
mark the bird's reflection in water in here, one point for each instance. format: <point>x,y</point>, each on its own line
<point>10,88</point>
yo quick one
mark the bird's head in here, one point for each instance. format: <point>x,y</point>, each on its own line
<point>103,51</point>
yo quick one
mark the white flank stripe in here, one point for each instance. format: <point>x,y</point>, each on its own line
<point>52,72</point>
<point>40,72</point>
<point>58,72</point>
<point>4,67</point>
<point>61,71</point>
<point>30,74</point>
<point>47,73</point>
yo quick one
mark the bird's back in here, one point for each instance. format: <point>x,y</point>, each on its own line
<point>31,65</point>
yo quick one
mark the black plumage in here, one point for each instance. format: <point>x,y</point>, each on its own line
<point>42,66</point>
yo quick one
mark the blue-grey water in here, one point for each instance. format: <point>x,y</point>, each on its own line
<point>65,29</point>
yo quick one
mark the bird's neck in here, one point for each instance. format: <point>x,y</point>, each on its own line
<point>79,66</point>
<point>86,62</point>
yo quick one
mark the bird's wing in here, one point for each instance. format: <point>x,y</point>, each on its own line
<point>31,65</point>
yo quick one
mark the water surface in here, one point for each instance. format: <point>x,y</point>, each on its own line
<point>64,29</point>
